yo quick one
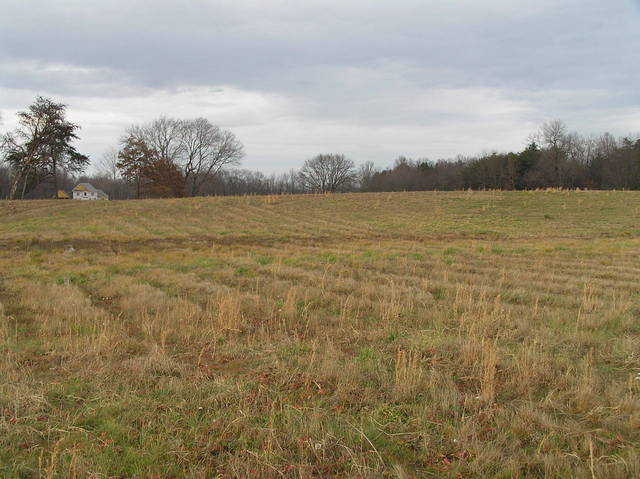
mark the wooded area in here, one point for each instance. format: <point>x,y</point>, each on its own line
<point>172,157</point>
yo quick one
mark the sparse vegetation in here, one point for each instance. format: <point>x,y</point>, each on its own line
<point>462,335</point>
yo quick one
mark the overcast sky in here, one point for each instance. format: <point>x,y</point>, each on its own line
<point>370,79</point>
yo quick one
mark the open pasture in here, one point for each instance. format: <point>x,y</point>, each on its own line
<point>462,335</point>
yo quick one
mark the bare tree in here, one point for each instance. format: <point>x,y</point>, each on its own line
<point>161,135</point>
<point>108,164</point>
<point>206,149</point>
<point>365,174</point>
<point>108,173</point>
<point>197,147</point>
<point>291,182</point>
<point>327,173</point>
<point>557,143</point>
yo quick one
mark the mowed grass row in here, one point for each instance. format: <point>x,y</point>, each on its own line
<point>379,335</point>
<point>414,216</point>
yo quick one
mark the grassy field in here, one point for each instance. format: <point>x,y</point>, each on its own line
<point>454,335</point>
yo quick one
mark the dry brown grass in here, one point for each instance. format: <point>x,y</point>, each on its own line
<point>391,335</point>
<point>229,317</point>
<point>408,374</point>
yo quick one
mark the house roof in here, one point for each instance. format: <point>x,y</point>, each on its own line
<point>91,188</point>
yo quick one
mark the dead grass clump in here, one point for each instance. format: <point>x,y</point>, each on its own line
<point>488,365</point>
<point>290,306</point>
<point>157,362</point>
<point>349,313</point>
<point>586,383</point>
<point>175,321</point>
<point>229,316</point>
<point>67,319</point>
<point>408,374</point>
<point>136,298</point>
<point>234,311</point>
<point>532,371</point>
<point>480,357</point>
<point>5,328</point>
<point>291,315</point>
<point>8,356</point>
<point>481,314</point>
<point>159,317</point>
<point>391,306</point>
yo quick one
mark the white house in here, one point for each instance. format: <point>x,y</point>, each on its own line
<point>86,191</point>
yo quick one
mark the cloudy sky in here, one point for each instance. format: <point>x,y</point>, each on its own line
<point>369,78</point>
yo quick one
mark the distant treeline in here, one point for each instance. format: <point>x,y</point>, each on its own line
<point>557,160</point>
<point>191,157</point>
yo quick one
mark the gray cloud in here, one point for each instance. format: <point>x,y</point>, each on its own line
<point>373,79</point>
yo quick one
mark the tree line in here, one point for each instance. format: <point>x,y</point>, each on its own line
<point>171,157</point>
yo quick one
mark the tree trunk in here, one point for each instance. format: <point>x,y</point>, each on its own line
<point>24,184</point>
<point>13,190</point>
<point>55,175</point>
<point>16,180</point>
